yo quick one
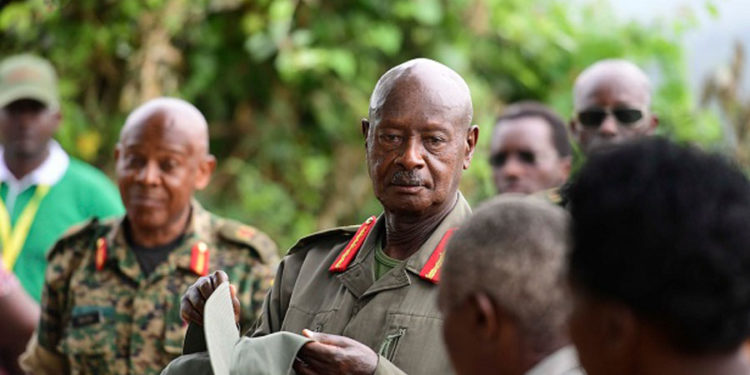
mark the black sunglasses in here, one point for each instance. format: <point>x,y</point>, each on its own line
<point>593,118</point>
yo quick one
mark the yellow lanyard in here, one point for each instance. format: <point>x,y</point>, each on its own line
<point>13,238</point>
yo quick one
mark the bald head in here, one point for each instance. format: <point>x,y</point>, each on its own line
<point>419,138</point>
<point>426,81</point>
<point>175,115</point>
<point>161,160</point>
<point>617,72</point>
<point>612,100</point>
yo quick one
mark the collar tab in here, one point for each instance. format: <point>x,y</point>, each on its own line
<point>351,249</point>
<point>431,269</point>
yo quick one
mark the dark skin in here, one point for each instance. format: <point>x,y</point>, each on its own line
<point>418,140</point>
<point>531,161</point>
<point>418,143</point>
<point>483,338</point>
<point>20,315</point>
<point>26,127</point>
<point>611,339</point>
<point>161,160</point>
<point>611,85</point>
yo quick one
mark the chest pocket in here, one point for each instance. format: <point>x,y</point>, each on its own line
<point>414,344</point>
<point>89,339</point>
<point>296,320</point>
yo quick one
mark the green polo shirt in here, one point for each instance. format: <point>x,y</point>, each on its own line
<point>83,192</point>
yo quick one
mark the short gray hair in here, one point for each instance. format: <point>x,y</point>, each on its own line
<point>513,248</point>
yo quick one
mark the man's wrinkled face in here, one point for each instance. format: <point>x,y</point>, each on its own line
<point>158,168</point>
<point>415,156</point>
<point>610,110</point>
<point>26,126</point>
<point>523,157</point>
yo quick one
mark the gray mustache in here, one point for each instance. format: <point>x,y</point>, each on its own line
<point>408,178</point>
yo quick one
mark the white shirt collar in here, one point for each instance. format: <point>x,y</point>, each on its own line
<point>564,361</point>
<point>48,173</point>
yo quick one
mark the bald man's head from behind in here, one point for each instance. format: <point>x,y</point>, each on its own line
<point>612,103</point>
<point>502,294</point>
<point>161,160</point>
<point>419,137</point>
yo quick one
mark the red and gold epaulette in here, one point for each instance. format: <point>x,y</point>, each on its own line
<point>351,249</point>
<point>199,258</point>
<point>431,269</point>
<point>101,253</point>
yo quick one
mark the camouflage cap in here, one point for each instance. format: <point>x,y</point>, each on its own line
<point>28,77</point>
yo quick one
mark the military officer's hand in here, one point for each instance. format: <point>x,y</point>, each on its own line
<point>332,354</point>
<point>194,300</point>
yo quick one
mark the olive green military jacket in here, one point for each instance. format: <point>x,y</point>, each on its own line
<point>326,284</point>
<point>102,315</point>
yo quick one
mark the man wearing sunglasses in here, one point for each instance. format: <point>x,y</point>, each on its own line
<point>612,101</point>
<point>529,150</point>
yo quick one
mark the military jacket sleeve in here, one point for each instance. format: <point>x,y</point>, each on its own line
<point>277,299</point>
<point>43,354</point>
<point>385,367</point>
<point>252,272</point>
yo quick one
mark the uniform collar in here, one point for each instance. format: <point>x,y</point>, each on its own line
<point>198,230</point>
<point>562,361</point>
<point>416,262</point>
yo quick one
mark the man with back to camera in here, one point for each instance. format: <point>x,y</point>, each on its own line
<point>612,103</point>
<point>660,263</point>
<point>529,150</point>
<point>111,301</point>
<point>369,292</point>
<point>503,295</point>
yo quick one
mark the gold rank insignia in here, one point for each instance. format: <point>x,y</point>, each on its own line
<point>199,258</point>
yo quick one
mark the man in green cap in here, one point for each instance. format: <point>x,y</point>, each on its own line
<point>44,191</point>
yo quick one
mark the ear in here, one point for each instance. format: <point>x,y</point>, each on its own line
<point>205,170</point>
<point>117,152</point>
<point>472,136</point>
<point>574,128</point>
<point>485,316</point>
<point>566,164</point>
<point>622,328</point>
<point>365,129</point>
<point>653,123</point>
<point>56,119</point>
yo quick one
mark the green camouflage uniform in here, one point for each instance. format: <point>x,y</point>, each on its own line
<point>397,315</point>
<point>116,320</point>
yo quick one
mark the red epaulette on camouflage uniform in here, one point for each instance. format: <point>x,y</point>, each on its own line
<point>199,258</point>
<point>101,253</point>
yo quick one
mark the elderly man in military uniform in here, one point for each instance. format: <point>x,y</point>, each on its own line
<point>612,100</point>
<point>111,299</point>
<point>367,295</point>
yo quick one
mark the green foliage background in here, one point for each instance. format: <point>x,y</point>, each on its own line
<point>285,83</point>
